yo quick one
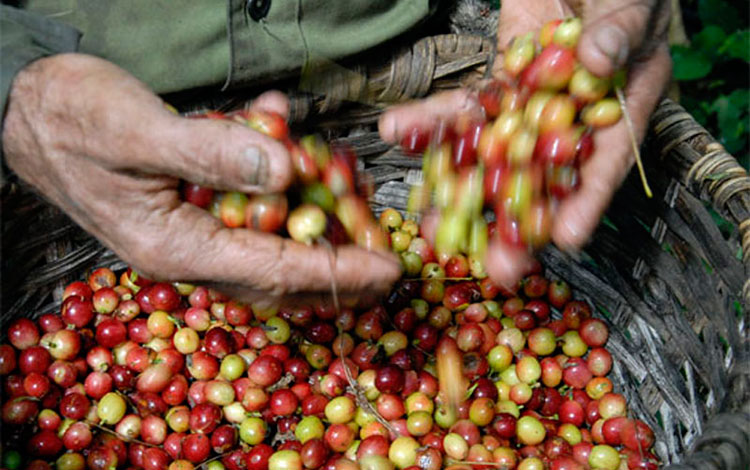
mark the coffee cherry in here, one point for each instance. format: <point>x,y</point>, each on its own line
<point>306,223</point>
<point>586,87</point>
<point>198,195</point>
<point>520,54</point>
<point>567,33</point>
<point>521,147</point>
<point>232,209</point>
<point>266,122</point>
<point>558,113</point>
<point>602,113</point>
<point>266,212</point>
<point>415,140</point>
<point>517,193</point>
<point>552,69</point>
<point>547,31</point>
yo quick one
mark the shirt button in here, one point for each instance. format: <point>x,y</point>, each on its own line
<point>258,9</point>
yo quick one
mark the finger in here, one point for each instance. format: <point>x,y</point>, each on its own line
<point>125,126</point>
<point>272,101</point>
<point>427,113</point>
<point>258,261</point>
<point>580,212</point>
<point>613,31</point>
<point>506,264</point>
<point>178,241</point>
<point>221,154</point>
<point>355,270</point>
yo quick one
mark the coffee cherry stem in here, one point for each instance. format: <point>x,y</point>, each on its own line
<point>332,266</point>
<point>217,457</point>
<point>501,466</point>
<point>633,141</point>
<point>114,433</point>
<point>361,399</point>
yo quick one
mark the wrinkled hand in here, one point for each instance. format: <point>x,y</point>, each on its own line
<point>616,34</point>
<point>96,142</point>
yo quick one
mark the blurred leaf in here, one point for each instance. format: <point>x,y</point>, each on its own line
<point>720,13</point>
<point>696,108</point>
<point>732,117</point>
<point>733,145</point>
<point>689,64</point>
<point>710,40</point>
<point>737,46</point>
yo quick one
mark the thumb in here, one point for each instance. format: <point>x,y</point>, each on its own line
<point>613,31</point>
<point>222,154</point>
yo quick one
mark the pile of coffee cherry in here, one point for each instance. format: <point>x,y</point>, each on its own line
<point>327,200</point>
<point>525,158</point>
<point>448,371</point>
<point>137,374</point>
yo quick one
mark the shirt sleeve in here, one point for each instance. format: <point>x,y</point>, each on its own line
<point>25,37</point>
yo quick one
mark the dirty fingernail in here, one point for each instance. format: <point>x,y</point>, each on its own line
<point>613,43</point>
<point>573,230</point>
<point>257,165</point>
<point>389,127</point>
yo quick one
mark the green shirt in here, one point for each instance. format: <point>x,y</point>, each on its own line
<point>173,45</point>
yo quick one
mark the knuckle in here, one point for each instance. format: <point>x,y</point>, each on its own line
<point>211,159</point>
<point>275,284</point>
<point>273,271</point>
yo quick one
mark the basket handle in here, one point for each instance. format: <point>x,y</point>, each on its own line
<point>707,170</point>
<point>712,174</point>
<point>410,72</point>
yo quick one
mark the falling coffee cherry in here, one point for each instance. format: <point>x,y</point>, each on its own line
<point>542,116</point>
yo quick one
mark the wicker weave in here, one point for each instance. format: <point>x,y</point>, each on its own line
<point>660,272</point>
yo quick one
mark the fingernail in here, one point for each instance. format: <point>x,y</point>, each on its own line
<point>572,229</point>
<point>391,127</point>
<point>257,164</point>
<point>613,43</point>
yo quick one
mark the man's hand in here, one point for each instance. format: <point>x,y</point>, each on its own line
<point>99,144</point>
<point>616,34</point>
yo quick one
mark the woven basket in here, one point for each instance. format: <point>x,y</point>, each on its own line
<point>670,284</point>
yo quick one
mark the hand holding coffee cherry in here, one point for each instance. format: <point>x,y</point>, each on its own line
<point>612,35</point>
<point>96,142</point>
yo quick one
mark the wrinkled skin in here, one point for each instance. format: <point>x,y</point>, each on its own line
<point>99,144</point>
<point>616,34</point>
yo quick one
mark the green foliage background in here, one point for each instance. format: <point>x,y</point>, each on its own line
<point>714,70</point>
